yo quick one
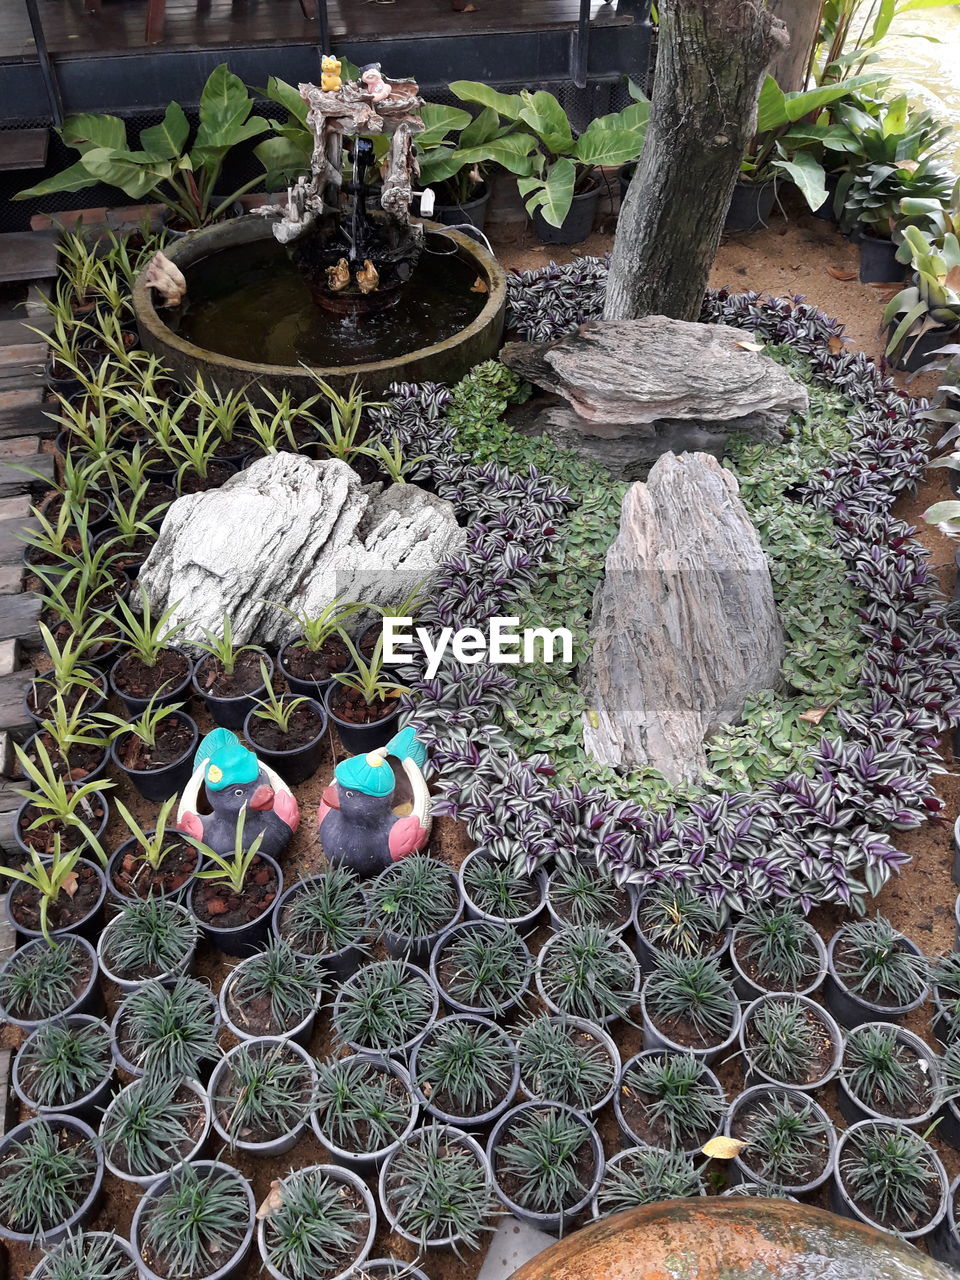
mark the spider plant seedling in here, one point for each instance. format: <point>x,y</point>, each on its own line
<point>154,938</point>
<point>320,636</point>
<point>435,1188</point>
<point>327,915</point>
<point>688,1001</point>
<point>262,1093</point>
<point>67,675</point>
<point>675,919</point>
<point>198,1219</point>
<point>790,1041</point>
<point>136,740</point>
<point>81,267</point>
<point>546,1159</point>
<point>42,980</point>
<point>482,967</point>
<point>63,1062</point>
<point>193,453</point>
<point>104,335</point>
<point>69,606</point>
<point>233,868</point>
<point>81,482</point>
<point>91,432</point>
<point>225,411</point>
<point>390,459</point>
<point>91,1255</point>
<point>645,1175</point>
<point>168,1030</point>
<point>565,1060</point>
<point>362,1105</point>
<point>367,680</point>
<point>273,708</point>
<point>413,901</point>
<point>588,972</point>
<point>130,474</point>
<point>789,1140</point>
<point>888,1073</point>
<point>464,1070</point>
<point>72,736</point>
<point>292,986</point>
<point>269,431</point>
<point>777,949</point>
<point>323,1226</point>
<point>152,1125</point>
<point>134,521</point>
<point>578,894</point>
<point>47,878</point>
<point>891,1177</point>
<point>65,813</point>
<point>64,337</point>
<point>149,848</point>
<point>47,1173</point>
<point>340,439</point>
<point>669,1100</point>
<point>144,636</point>
<point>877,967</point>
<point>53,542</point>
<point>222,647</point>
<point>384,1007</point>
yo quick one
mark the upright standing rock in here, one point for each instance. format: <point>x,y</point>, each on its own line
<point>685,626</point>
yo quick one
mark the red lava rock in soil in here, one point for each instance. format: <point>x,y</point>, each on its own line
<point>217,907</point>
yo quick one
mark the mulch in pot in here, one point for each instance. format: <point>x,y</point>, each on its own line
<point>816,1151</point>
<point>349,705</point>
<point>81,760</point>
<point>818,1042</point>
<point>227,1092</point>
<point>132,877</point>
<point>174,737</point>
<point>218,473</point>
<point>217,905</point>
<point>134,678</point>
<point>64,911</point>
<point>244,678</point>
<point>305,724</point>
<point>304,664</point>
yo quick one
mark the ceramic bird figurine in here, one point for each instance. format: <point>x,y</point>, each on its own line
<point>329,73</point>
<point>234,779</point>
<point>338,277</point>
<point>377,809</point>
<point>368,278</point>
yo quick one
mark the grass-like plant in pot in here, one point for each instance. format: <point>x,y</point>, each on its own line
<point>232,895</point>
<point>546,1161</point>
<point>88,1255</point>
<point>262,1095</point>
<point>44,980</point>
<point>74,737</point>
<point>889,1177</point>
<point>71,673</point>
<point>152,862</point>
<point>493,891</point>
<point>788,1139</point>
<point>58,894</point>
<point>66,1066</point>
<point>790,1040</point>
<point>50,1174</point>
<point>435,1189</point>
<point>362,702</point>
<point>646,1175</point>
<point>945,990</point>
<point>669,1100</point>
<point>197,1221</point>
<point>53,809</point>
<point>286,730</point>
<point>673,918</point>
<point>887,1073</point>
<point>588,972</point>
<point>464,1071</point>
<point>579,894</point>
<point>152,939</point>
<point>320,1227</point>
<point>385,1007</point>
<point>228,676</point>
<point>481,967</point>
<point>274,992</point>
<point>688,1003</point>
<point>311,659</point>
<point>875,973</point>
<point>152,1126</point>
<point>148,667</point>
<point>772,949</point>
<point>155,750</point>
<point>326,916</point>
<point>363,1108</point>
<point>167,1030</point>
<point>412,903</point>
<point>567,1060</point>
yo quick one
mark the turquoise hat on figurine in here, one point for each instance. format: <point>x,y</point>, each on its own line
<point>229,763</point>
<point>370,774</point>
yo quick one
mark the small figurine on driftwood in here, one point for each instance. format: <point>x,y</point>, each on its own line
<point>234,780</point>
<point>377,809</point>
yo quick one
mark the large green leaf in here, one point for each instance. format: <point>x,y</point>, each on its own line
<point>168,138</point>
<point>285,95</point>
<point>507,105</point>
<point>807,174</point>
<point>439,164</point>
<point>912,5</point>
<point>545,116</point>
<point>87,131</point>
<point>606,142</point>
<point>553,195</point>
<point>77,178</point>
<point>438,121</point>
<point>284,159</point>
<point>224,101</point>
<point>514,152</point>
<point>776,108</point>
<point>119,169</point>
<point>885,15</point>
<point>895,117</point>
<point>481,129</point>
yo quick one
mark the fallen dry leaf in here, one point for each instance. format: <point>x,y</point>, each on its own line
<point>839,273</point>
<point>816,714</point>
<point>836,344</point>
<point>273,1201</point>
<point>479,285</point>
<point>749,346</point>
<point>721,1148</point>
<point>71,884</point>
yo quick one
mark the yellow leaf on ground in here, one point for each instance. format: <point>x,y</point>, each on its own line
<point>273,1201</point>
<point>721,1148</point>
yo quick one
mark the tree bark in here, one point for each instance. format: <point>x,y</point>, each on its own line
<point>711,59</point>
<point>802,20</point>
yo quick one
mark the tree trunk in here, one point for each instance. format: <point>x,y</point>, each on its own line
<point>711,59</point>
<point>802,20</point>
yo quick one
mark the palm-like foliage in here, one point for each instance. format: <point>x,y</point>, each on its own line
<point>360,1105</point>
<point>316,1232</point>
<point>556,1065</point>
<point>59,1064</point>
<point>540,1150</point>
<point>45,1176</point>
<point>437,1188</point>
<point>149,1126</point>
<point>197,1222</point>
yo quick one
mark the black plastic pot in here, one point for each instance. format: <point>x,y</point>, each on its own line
<point>335,1174</point>
<point>366,1163</point>
<point>452,1136</point>
<point>878,260</point>
<point>648,953</point>
<point>339,964</point>
<point>118,854</point>
<point>399,1051</point>
<point>122,1248</point>
<point>90,999</point>
<point>629,961</point>
<point>202,1108</point>
<point>654,1038</point>
<point>296,765</point>
<point>620,927</point>
<point>315,689</point>
<point>133,1069</point>
<point>918,351</point>
<point>473,912</point>
<point>490,1011</point>
<point>89,927</point>
<point>358,739</point>
<point>576,226</point>
<point>243,939</point>
<point>624,178</point>
<point>631,1139</point>
<point>126,985</point>
<point>944,1243</point>
<point>233,1267</point>
<point>470,212</point>
<point>92,702</point>
<point>754,1075</point>
<point>826,211</point>
<point>750,206</point>
<point>300,1033</point>
<point>842,1203</point>
<point>89,1107</point>
<point>853,1109</point>
<point>851,1010</point>
<point>482,1119</point>
<point>86,1208</point>
<point>747,989</point>
<point>157,785</point>
<point>391,1269</point>
<point>177,693</point>
<point>278,1146</point>
<point>101,800</point>
<point>740,1170</point>
<point>231,713</point>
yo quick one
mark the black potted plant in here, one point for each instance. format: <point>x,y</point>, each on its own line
<point>363,705</point>
<point>412,903</point>
<point>88,1255</point>
<point>167,1030</point>
<point>874,973</point>
<point>326,916</point>
<point>673,918</point>
<point>152,939</point>
<point>311,659</point>
<point>668,1100</point>
<point>788,1140</point>
<point>945,991</point>
<point>492,891</point>
<point>262,1096</point>
<point>464,1071</point>
<point>148,669</point>
<point>156,863</point>
<point>435,1189</point>
<point>197,1221</point>
<point>156,750</point>
<point>887,1073</point>
<point>43,980</point>
<point>232,896</point>
<point>54,810</point>
<point>363,1109</point>
<point>645,1175</point>
<point>688,1004</point>
<point>56,895</point>
<point>546,1161</point>
<point>51,1170</point>
<point>588,972</point>
<point>274,992</point>
<point>73,736</point>
<point>579,894</point>
<point>66,1066</point>
<point>228,676</point>
<point>568,1060</point>
<point>385,1007</point>
<point>773,948</point>
<point>481,968</point>
<point>445,154</point>
<point>789,1040</point>
<point>153,1126</point>
<point>286,731</point>
<point>888,1177</point>
<point>342,1221</point>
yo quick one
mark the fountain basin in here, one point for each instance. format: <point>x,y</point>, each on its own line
<point>248,320</point>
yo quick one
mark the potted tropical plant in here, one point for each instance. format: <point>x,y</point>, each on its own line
<point>450,156</point>
<point>688,1004</point>
<point>789,1040</point>
<point>311,659</point>
<point>55,813</point>
<point>262,1095</point>
<point>51,1170</point>
<point>579,894</point>
<point>588,972</point>
<point>493,891</point>
<point>148,672</point>
<point>773,948</point>
<point>286,731</point>
<point>874,973</point>
<point>889,1177</point>
<point>481,968</point>
<point>668,1100</point>
<point>197,1221</point>
<point>62,893</point>
<point>167,1030</point>
<point>155,750</point>
<point>151,864</point>
<point>788,1140</point>
<point>363,1109</point>
<point>673,918</point>
<point>66,1066</point>
<point>363,705</point>
<point>152,1127</point>
<point>385,1007</point>
<point>925,315</point>
<point>88,1255</point>
<point>326,916</point>
<point>342,1220</point>
<point>888,1073</point>
<point>945,991</point>
<point>44,980</point>
<point>435,1189</point>
<point>231,897</point>
<point>73,738</point>
<point>645,1175</point>
<point>68,676</point>
<point>568,1060</point>
<point>412,903</point>
<point>228,677</point>
<point>464,1071</point>
<point>274,992</point>
<point>145,941</point>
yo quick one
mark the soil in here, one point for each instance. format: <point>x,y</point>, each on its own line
<point>306,725</point>
<point>922,1095</point>
<point>683,1031</point>
<point>65,911</point>
<point>584,1161</point>
<point>217,905</point>
<point>769,982</point>
<point>304,664</point>
<point>194,1128</point>
<point>635,1104</point>
<point>348,705</point>
<point>44,839</point>
<point>134,878</point>
<point>227,1092</point>
<point>174,739</point>
<point>243,680</point>
<point>844,958</point>
<point>816,1152</point>
<point>80,763</point>
<point>819,1046</point>
<point>135,679</point>
<point>218,473</point>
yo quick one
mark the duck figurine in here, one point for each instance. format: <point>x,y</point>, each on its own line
<point>234,779</point>
<point>377,809</point>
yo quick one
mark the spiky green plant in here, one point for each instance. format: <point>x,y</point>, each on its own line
<point>265,1089</point>
<point>437,1188</point>
<point>587,973</point>
<point>383,1006</point>
<point>168,1031</point>
<point>464,1067</point>
<point>276,708</point>
<point>415,898</point>
<point>777,940</point>
<point>148,939</point>
<point>294,984</point>
<point>891,1174</point>
<point>675,918</point>
<point>876,1067</point>
<point>317,1230</point>
<point>541,1151</point>
<point>150,1126</point>
<point>197,1222</point>
<point>495,889</point>
<point>42,979</point>
<point>60,1064</point>
<point>232,867</point>
<point>945,976</point>
<point>644,1175</point>
<point>47,878</point>
<point>557,1066</point>
<point>144,635</point>
<point>785,1135</point>
<point>328,914</point>
<point>871,961</point>
<point>581,894</point>
<point>950,1071</point>
<point>678,1095</point>
<point>88,1257</point>
<point>484,966</point>
<point>360,1105</point>
<point>780,1040</point>
<point>45,1177</point>
<point>692,989</point>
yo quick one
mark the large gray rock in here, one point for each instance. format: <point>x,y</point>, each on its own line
<point>685,627</point>
<point>296,532</point>
<point>636,389</point>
